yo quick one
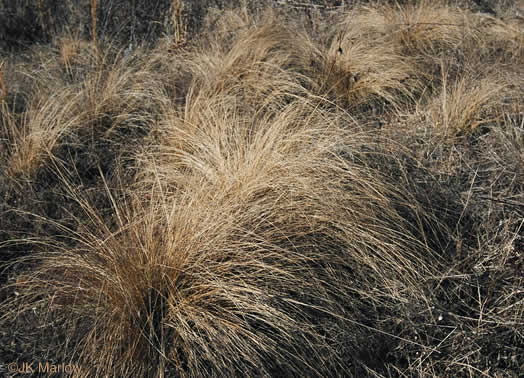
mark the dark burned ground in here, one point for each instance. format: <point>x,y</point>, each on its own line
<point>23,23</point>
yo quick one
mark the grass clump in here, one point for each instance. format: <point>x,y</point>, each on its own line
<point>468,104</point>
<point>268,197</point>
<point>83,95</point>
<point>254,248</point>
<point>261,62</point>
<point>361,74</point>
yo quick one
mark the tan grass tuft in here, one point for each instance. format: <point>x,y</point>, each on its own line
<point>262,61</point>
<point>249,249</point>
<point>431,27</point>
<point>508,36</point>
<point>467,104</point>
<point>111,96</point>
<point>361,72</point>
<point>71,50</point>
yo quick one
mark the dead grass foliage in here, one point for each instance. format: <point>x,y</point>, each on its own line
<point>261,236</point>
<point>240,240</point>
<point>99,97</point>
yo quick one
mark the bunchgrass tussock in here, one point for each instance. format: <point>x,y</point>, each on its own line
<point>254,247</point>
<point>104,95</point>
<point>468,103</point>
<point>431,27</point>
<point>276,198</point>
<point>361,73</point>
<point>73,51</point>
<point>425,28</point>
<point>507,36</point>
<point>363,67</point>
<point>262,61</point>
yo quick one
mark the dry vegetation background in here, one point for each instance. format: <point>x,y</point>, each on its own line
<point>316,188</point>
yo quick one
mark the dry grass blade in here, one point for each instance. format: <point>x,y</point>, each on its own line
<point>93,20</point>
<point>330,196</point>
<point>3,87</point>
<point>179,25</point>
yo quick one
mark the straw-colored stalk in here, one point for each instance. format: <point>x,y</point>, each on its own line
<point>3,87</point>
<point>178,23</point>
<point>93,21</point>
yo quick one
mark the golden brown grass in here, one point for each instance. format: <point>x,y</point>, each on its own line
<point>375,54</point>
<point>260,63</point>
<point>41,129</point>
<point>266,232</point>
<point>468,103</point>
<point>427,27</point>
<point>251,250</point>
<point>359,73</point>
<point>431,27</point>
<point>509,35</point>
<point>72,51</point>
<point>110,95</point>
